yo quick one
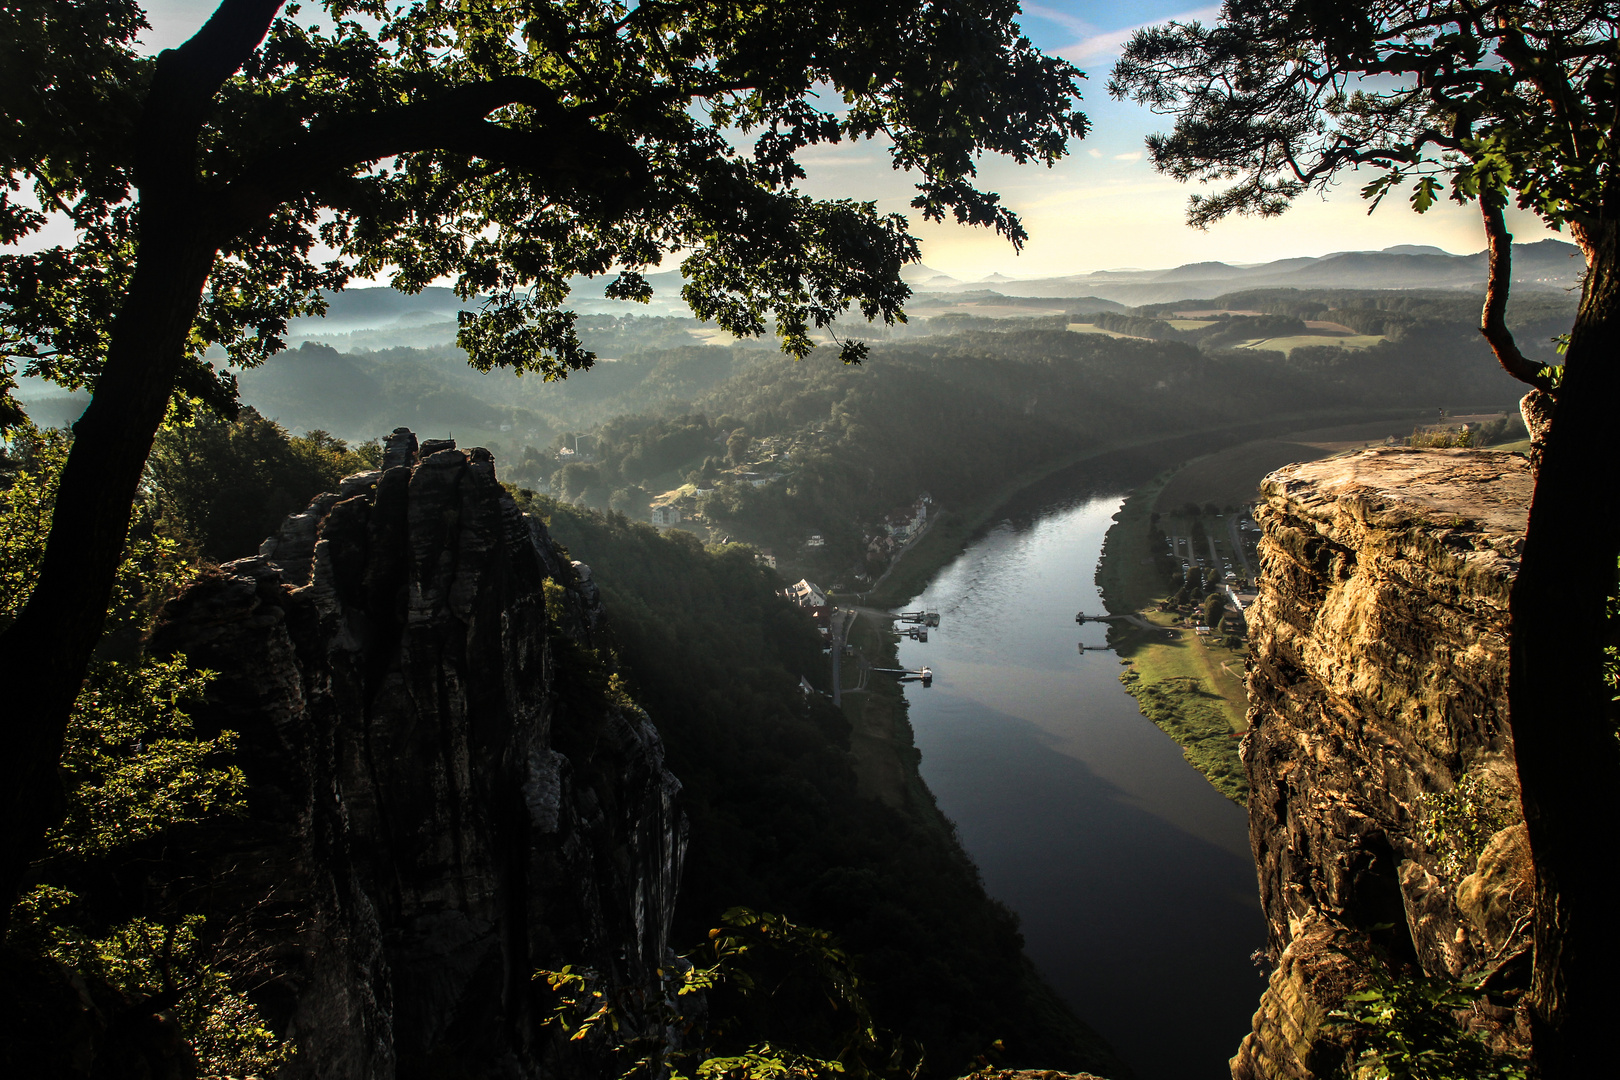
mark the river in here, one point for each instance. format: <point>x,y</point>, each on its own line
<point>1131,875</point>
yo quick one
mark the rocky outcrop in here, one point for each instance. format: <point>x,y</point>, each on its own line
<point>434,812</point>
<point>1377,685</point>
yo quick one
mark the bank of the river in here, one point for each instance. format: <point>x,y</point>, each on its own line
<point>1190,686</point>
<point>1131,876</point>
<point>887,763</point>
<point>956,527</point>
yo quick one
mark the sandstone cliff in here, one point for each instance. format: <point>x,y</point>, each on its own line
<point>1377,685</point>
<point>430,821</point>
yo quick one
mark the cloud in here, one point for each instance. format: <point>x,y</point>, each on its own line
<point>1108,44</point>
<point>1134,155</point>
<point>1094,152</point>
<point>1073,24</point>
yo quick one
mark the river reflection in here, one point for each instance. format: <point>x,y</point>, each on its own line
<point>1131,874</point>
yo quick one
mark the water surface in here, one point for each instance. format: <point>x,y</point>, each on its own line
<point>1132,876</point>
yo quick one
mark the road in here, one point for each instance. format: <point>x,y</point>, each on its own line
<point>1237,543</point>
<point>838,630</point>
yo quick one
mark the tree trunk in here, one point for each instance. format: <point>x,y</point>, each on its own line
<point>43,655</point>
<point>1568,758</point>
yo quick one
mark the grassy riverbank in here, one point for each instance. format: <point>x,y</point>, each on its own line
<point>1190,686</point>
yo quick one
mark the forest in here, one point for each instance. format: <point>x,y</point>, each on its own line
<point>171,214</point>
<point>699,634</point>
<point>700,637</point>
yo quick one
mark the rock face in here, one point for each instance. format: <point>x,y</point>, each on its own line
<point>433,814</point>
<point>1377,681</point>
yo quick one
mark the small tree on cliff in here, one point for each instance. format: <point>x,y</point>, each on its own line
<point>507,144</point>
<point>1491,99</point>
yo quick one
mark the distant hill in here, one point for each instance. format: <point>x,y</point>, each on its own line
<point>919,276</point>
<point>373,306</point>
<point>1547,264</point>
<point>380,318</point>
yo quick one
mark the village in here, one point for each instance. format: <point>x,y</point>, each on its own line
<point>736,461</point>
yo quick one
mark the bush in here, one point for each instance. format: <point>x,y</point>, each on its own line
<point>228,483</point>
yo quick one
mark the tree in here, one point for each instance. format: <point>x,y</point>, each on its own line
<point>737,446</point>
<point>1495,99</point>
<point>1214,608</point>
<point>133,767</point>
<point>508,144</point>
<point>226,484</point>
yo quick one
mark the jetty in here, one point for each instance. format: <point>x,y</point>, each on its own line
<point>924,674</point>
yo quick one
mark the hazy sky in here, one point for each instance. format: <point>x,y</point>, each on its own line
<point>1104,206</point>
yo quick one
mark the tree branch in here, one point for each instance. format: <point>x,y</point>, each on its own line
<point>566,146</point>
<point>185,83</point>
<point>1492,322</point>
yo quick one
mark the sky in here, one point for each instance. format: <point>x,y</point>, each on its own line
<point>1103,207</point>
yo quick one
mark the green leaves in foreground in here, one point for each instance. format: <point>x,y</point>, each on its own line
<point>161,968</point>
<point>1410,1030</point>
<point>133,766</point>
<point>134,762</point>
<point>638,1030</point>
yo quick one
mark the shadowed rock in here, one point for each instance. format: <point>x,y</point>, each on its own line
<point>429,820</point>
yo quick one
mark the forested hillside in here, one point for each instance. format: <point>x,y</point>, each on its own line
<point>830,449</point>
<point>715,655</point>
<point>761,448</point>
<point>699,637</point>
<point>349,384</point>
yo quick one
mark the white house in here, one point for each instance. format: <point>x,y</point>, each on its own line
<point>807,595</point>
<point>665,516</point>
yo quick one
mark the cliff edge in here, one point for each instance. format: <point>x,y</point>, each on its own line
<point>1384,809</point>
<point>433,814</point>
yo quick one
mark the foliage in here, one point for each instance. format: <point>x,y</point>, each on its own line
<point>958,416</point>
<point>153,568</point>
<point>228,483</point>
<point>1611,648</point>
<point>1492,97</point>
<point>165,967</point>
<point>1410,1031</point>
<point>1446,438</point>
<point>641,1033</point>
<point>134,765</point>
<point>420,137</point>
<point>1456,824</point>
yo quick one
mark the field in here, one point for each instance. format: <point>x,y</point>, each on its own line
<point>1294,341</point>
<point>1090,328</point>
<point>1191,687</point>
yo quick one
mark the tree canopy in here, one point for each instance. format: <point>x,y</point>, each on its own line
<point>509,145</point>
<point>1499,96</point>
<point>1498,100</point>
